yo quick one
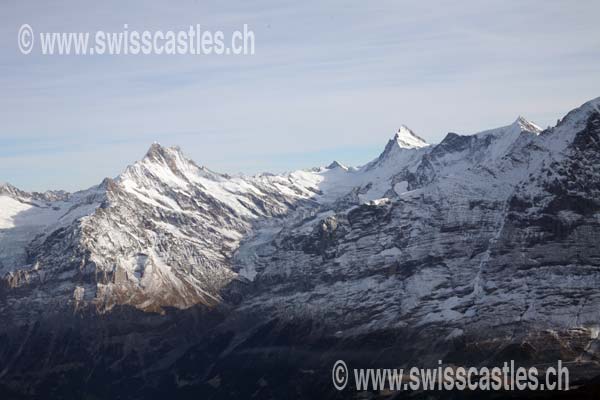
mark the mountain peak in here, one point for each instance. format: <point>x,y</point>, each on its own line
<point>523,124</point>
<point>160,164</point>
<point>407,139</point>
<point>336,164</point>
<point>157,151</point>
<point>577,119</point>
<point>403,143</point>
<point>8,189</point>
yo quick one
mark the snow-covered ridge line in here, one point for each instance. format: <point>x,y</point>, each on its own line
<point>405,138</point>
<point>166,232</point>
<point>472,249</point>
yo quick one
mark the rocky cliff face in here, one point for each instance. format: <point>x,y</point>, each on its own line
<point>493,232</point>
<point>457,251</point>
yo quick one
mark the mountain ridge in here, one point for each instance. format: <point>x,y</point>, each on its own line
<point>459,251</point>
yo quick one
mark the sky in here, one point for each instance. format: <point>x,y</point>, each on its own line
<point>328,80</point>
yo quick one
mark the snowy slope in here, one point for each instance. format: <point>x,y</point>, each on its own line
<point>462,251</point>
<point>482,235</point>
<point>167,232</point>
<point>28,218</point>
<point>368,182</point>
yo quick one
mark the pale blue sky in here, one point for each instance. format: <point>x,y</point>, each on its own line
<point>329,80</point>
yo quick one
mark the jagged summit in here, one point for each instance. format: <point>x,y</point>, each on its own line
<point>10,190</point>
<point>524,124</point>
<point>512,131</point>
<point>491,144</point>
<point>162,165</point>
<point>407,139</point>
<point>171,157</point>
<point>405,143</point>
<point>335,164</point>
<point>157,151</point>
<point>6,185</point>
<point>576,119</point>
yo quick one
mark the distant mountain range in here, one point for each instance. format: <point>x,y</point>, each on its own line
<point>174,279</point>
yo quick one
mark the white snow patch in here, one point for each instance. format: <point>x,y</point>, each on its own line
<point>9,209</point>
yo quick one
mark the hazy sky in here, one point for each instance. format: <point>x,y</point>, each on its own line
<point>329,80</point>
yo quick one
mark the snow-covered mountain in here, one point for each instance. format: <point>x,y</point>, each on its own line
<point>164,232</point>
<point>463,249</point>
